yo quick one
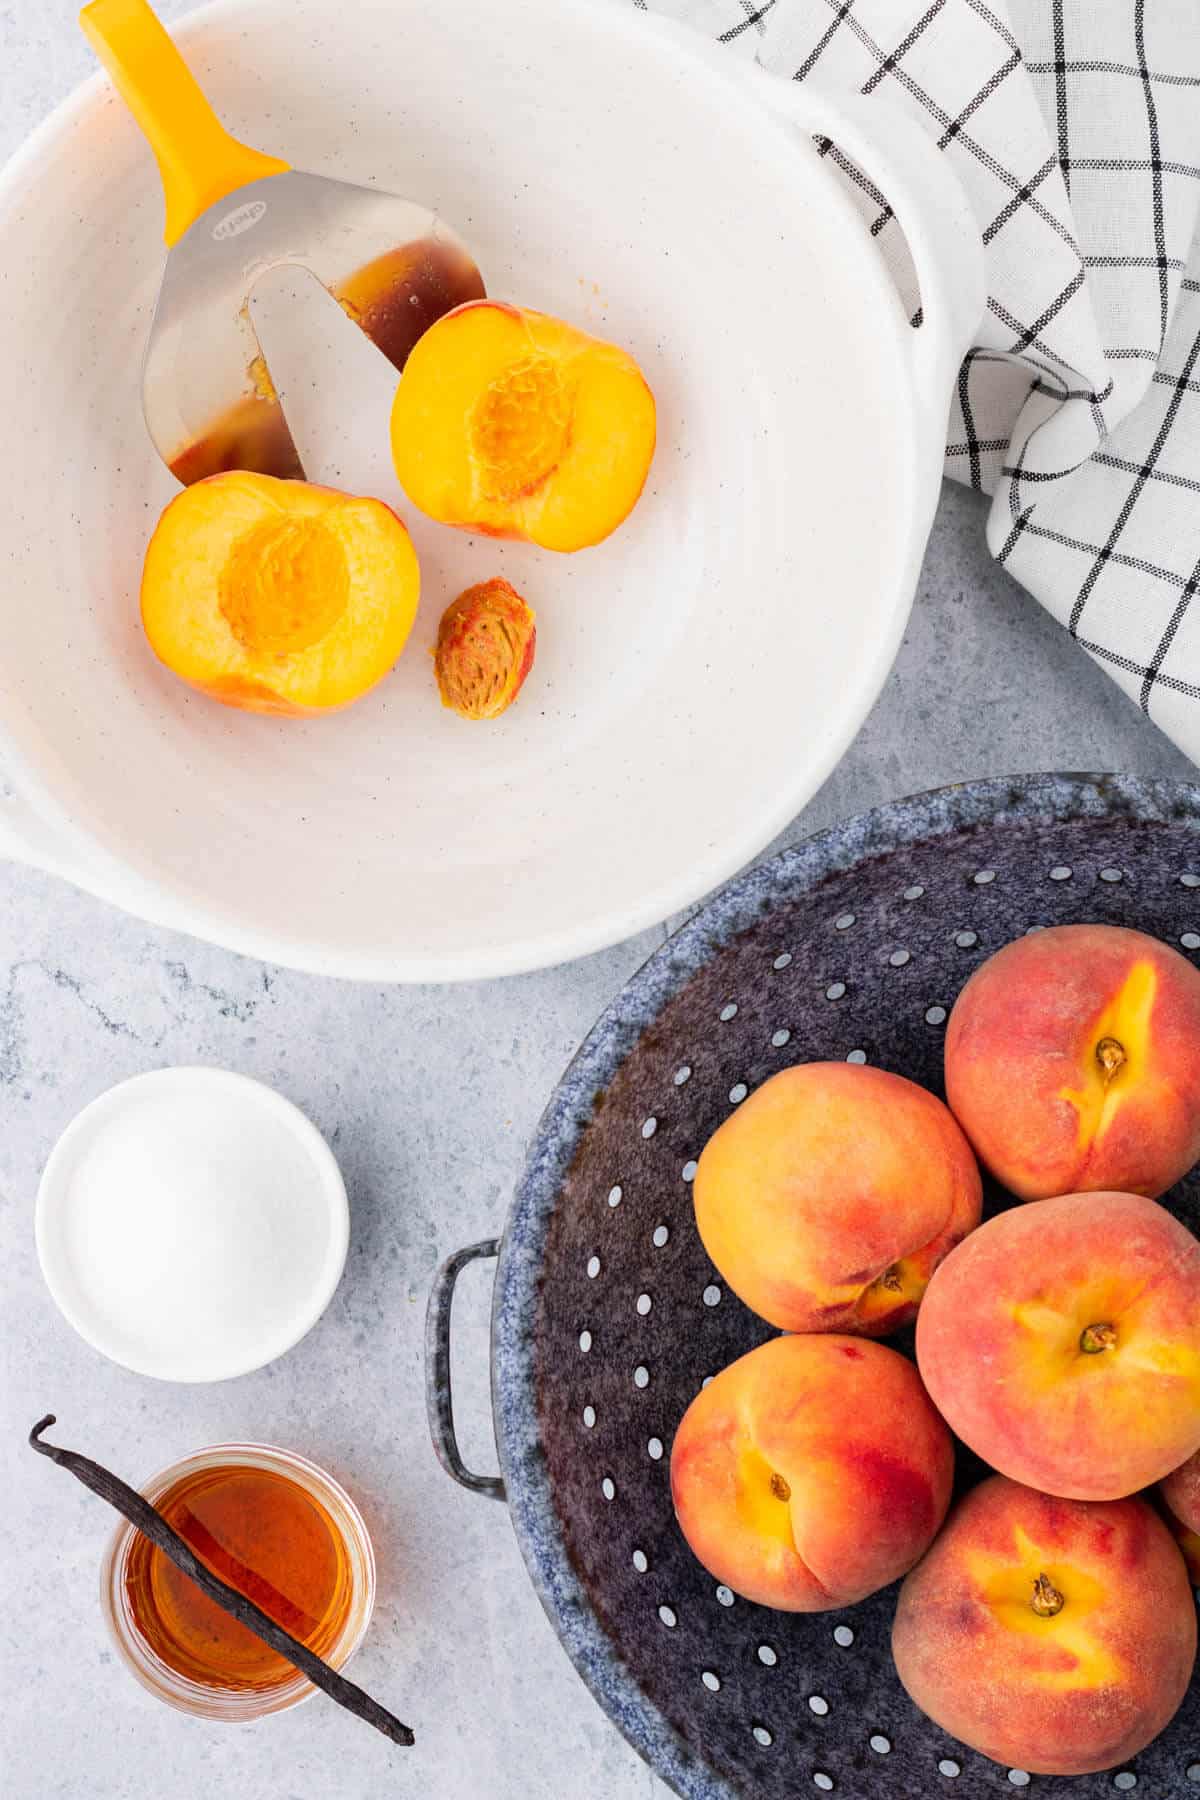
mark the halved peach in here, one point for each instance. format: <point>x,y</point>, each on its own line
<point>277,596</point>
<point>514,424</point>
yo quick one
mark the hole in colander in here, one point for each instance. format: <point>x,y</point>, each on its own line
<point>844,921</point>
<point>644,1303</point>
<point>585,1341</point>
<point>983,876</point>
<point>608,1488</point>
<point>843,1635</point>
<point>898,958</point>
<point>879,1744</point>
<point>725,1597</point>
<point>935,1015</point>
<point>711,1295</point>
<point>589,1416</point>
<point>1125,1779</point>
<point>1113,875</point>
<point>682,1074</point>
<point>823,1781</point>
<point>640,1561</point>
<point>1190,941</point>
<point>857,1056</point>
<point>1019,1777</point>
<point>668,1616</point>
<point>818,1704</point>
<point>914,892</point>
<point>593,1267</point>
<point>836,990</point>
<point>949,1767</point>
<point>649,1126</point>
<point>641,1376</point>
<point>1189,880</point>
<point>614,1196</point>
<point>654,1449</point>
<point>661,1234</point>
<point>762,1736</point>
<point>1193,1772</point>
<point>711,1681</point>
<point>780,1038</point>
<point>737,1093</point>
<point>767,1656</point>
<point>708,1381</point>
<point>727,1012</point>
<point>1060,872</point>
<point>966,940</point>
<point>689,1170</point>
<point>782,960</point>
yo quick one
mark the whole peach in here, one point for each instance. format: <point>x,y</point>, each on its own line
<point>1056,1636</point>
<point>1073,1063</point>
<point>1181,1496</point>
<point>831,1194</point>
<point>811,1472</point>
<point>1061,1341</point>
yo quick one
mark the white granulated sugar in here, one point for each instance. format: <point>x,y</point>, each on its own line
<point>192,1229</point>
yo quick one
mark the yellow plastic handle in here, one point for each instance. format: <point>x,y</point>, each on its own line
<point>200,163</point>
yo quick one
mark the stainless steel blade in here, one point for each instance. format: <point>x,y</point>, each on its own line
<point>393,266</point>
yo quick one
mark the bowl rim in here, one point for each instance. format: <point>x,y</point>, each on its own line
<point>164,900</point>
<point>741,904</point>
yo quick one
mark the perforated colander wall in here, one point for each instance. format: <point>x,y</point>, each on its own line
<point>609,1316</point>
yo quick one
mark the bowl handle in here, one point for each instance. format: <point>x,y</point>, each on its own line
<point>439,1402</point>
<point>931,209</point>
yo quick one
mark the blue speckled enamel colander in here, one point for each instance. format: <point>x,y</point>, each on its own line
<point>608,1315</point>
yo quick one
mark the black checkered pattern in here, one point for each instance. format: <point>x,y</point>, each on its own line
<point>1074,126</point>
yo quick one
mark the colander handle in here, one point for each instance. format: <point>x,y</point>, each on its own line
<point>439,1401</point>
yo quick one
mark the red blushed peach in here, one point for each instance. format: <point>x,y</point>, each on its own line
<point>1061,1341</point>
<point>811,1472</point>
<point>830,1196</point>
<point>1056,1636</point>
<point>1073,1063</point>
<point>1181,1496</point>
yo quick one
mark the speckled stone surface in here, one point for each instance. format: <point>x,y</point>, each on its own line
<point>429,1098</point>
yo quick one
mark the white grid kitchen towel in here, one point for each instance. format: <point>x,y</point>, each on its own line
<point>1074,126</point>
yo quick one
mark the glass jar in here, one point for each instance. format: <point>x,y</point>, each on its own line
<point>238,1704</point>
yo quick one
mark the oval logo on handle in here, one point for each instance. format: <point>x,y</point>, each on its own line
<point>240,219</point>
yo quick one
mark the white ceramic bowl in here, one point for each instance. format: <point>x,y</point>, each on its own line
<point>192,1224</point>
<point>698,675</point>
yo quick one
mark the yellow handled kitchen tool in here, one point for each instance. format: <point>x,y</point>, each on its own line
<point>231,214</point>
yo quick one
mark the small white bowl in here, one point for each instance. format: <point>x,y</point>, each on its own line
<point>192,1224</point>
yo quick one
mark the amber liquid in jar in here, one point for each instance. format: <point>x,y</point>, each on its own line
<point>263,1534</point>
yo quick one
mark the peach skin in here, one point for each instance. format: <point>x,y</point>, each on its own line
<point>1056,1636</point>
<point>830,1196</point>
<point>811,1472</point>
<point>1061,1341</point>
<point>1073,1063</point>
<point>1181,1497</point>
<point>514,424</point>
<point>277,596</point>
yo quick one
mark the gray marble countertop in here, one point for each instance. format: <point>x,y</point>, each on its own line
<point>428,1096</point>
